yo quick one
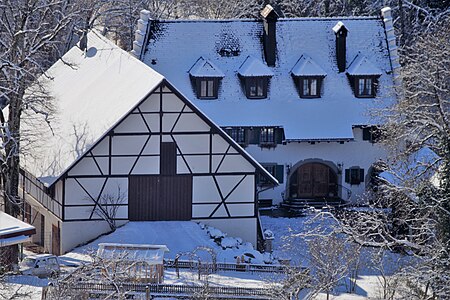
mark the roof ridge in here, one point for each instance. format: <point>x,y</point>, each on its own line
<point>260,20</point>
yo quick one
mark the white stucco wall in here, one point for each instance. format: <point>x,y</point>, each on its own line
<point>354,153</point>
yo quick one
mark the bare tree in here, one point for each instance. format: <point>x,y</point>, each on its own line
<point>109,204</point>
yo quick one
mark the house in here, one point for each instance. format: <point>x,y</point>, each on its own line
<point>13,232</point>
<point>126,145</point>
<point>297,94</point>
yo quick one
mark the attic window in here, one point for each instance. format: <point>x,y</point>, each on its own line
<point>255,77</point>
<point>205,77</point>
<point>308,76</point>
<point>363,76</point>
<point>309,87</point>
<point>256,87</point>
<point>365,87</point>
<point>207,88</point>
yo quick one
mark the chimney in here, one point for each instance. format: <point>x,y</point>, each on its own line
<point>392,46</point>
<point>341,45</point>
<point>140,34</point>
<point>270,18</point>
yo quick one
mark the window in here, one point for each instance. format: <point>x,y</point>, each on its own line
<point>310,87</point>
<point>354,175</point>
<point>277,171</point>
<point>371,134</point>
<point>256,87</point>
<point>365,86</point>
<point>207,88</point>
<point>267,137</point>
<point>238,134</point>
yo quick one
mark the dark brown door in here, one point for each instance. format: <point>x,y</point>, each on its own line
<point>313,180</point>
<point>55,240</point>
<point>160,198</point>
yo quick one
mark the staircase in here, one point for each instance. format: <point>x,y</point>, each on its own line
<point>318,203</point>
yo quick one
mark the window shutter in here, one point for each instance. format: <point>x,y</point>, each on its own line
<point>278,135</point>
<point>361,175</point>
<point>254,136</point>
<point>366,134</point>
<point>279,173</point>
<point>347,175</point>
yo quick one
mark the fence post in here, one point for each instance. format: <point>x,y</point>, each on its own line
<point>147,293</point>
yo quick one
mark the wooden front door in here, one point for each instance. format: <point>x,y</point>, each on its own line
<point>160,198</point>
<point>55,240</point>
<point>313,180</point>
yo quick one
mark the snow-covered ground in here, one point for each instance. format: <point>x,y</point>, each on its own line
<point>183,237</point>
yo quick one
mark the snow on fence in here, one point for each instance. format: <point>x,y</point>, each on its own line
<point>252,268</point>
<point>173,290</point>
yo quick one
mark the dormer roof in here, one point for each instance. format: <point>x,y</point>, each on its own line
<point>306,66</point>
<point>362,66</point>
<point>205,68</point>
<point>253,67</point>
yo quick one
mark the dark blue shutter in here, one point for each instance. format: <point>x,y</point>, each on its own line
<point>361,175</point>
<point>279,173</point>
<point>347,175</point>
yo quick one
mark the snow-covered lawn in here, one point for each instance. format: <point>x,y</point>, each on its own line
<point>183,237</point>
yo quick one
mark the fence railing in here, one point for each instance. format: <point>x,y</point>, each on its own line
<point>36,189</point>
<point>252,268</point>
<point>173,290</point>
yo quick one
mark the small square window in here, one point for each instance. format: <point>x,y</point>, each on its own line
<point>272,169</point>
<point>354,175</point>
<point>267,137</point>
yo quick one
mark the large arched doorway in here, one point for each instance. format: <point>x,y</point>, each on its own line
<point>313,180</point>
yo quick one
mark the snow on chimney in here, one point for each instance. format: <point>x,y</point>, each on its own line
<point>392,46</point>
<point>341,45</point>
<point>270,18</point>
<point>140,34</point>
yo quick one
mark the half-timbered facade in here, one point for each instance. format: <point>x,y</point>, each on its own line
<point>128,146</point>
<point>298,94</point>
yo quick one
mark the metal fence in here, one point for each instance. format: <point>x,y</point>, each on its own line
<point>252,268</point>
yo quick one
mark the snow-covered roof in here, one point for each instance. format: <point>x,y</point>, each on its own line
<point>11,227</point>
<point>253,67</point>
<point>361,66</point>
<point>176,45</point>
<point>305,66</point>
<point>92,90</point>
<point>205,68</point>
<point>151,254</point>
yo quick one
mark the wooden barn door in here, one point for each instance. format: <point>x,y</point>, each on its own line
<point>160,198</point>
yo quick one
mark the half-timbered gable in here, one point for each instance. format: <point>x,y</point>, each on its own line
<point>162,159</point>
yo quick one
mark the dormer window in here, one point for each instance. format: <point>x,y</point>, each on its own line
<point>363,77</point>
<point>207,88</point>
<point>255,78</point>
<point>205,77</point>
<point>365,87</point>
<point>256,87</point>
<point>308,77</point>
